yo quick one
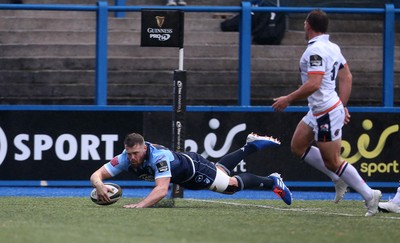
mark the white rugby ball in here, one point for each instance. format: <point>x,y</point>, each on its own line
<point>114,196</point>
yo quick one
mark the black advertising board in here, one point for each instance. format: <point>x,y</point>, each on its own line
<point>370,142</point>
<point>70,145</point>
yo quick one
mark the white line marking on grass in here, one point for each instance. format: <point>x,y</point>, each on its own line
<point>305,210</point>
<point>255,205</point>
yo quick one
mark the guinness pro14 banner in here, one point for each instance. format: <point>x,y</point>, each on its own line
<point>162,28</point>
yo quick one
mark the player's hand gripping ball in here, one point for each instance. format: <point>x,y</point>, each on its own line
<point>114,196</point>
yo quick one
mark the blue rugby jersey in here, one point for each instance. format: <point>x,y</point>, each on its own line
<point>159,162</point>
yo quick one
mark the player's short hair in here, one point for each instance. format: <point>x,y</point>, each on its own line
<point>318,20</point>
<point>133,139</point>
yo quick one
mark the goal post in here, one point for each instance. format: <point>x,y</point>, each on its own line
<point>178,120</point>
<point>164,28</point>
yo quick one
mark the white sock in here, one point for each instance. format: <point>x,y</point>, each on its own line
<point>313,157</point>
<point>350,175</point>
<point>396,198</point>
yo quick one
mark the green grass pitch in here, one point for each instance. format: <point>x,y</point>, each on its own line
<point>78,220</point>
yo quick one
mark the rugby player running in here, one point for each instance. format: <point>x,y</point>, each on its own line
<point>320,65</point>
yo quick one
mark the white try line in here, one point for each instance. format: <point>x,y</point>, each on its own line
<point>305,210</point>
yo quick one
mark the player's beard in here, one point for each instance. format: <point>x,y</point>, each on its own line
<point>135,164</point>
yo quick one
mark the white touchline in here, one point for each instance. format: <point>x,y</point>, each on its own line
<point>305,210</point>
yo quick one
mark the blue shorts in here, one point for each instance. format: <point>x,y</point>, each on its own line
<point>204,172</point>
<point>327,127</point>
